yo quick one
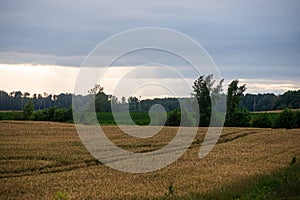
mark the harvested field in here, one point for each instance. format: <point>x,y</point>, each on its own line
<point>39,160</point>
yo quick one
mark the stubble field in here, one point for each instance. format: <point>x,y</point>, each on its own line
<point>45,160</point>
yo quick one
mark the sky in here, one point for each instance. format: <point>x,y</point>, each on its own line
<point>44,43</point>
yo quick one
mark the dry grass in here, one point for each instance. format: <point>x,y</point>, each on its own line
<point>40,159</point>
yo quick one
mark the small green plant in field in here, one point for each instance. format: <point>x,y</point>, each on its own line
<point>60,196</point>
<point>171,189</point>
<point>293,160</point>
<point>170,193</point>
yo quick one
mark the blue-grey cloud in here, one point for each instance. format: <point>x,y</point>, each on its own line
<point>240,36</point>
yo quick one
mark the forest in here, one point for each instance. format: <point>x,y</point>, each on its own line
<point>241,109</point>
<point>252,102</point>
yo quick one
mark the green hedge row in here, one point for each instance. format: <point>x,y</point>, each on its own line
<point>285,119</point>
<point>240,118</point>
<point>51,114</point>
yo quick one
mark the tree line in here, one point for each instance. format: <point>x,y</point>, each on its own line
<point>208,93</point>
<point>270,101</point>
<point>253,102</point>
<point>16,100</point>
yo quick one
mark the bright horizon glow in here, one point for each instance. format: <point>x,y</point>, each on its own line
<point>55,79</point>
<point>38,79</point>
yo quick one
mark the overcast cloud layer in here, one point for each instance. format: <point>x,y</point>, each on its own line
<point>246,39</point>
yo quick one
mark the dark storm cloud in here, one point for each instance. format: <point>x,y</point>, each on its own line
<point>237,34</point>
